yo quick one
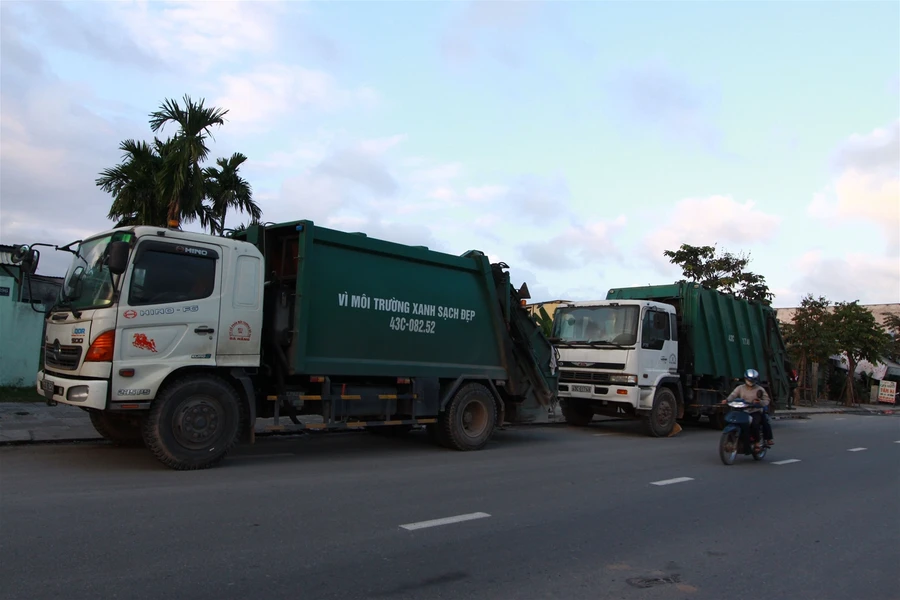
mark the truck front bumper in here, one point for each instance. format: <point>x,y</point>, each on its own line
<point>604,394</point>
<point>89,393</point>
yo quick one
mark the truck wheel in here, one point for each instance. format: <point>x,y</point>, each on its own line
<point>193,422</point>
<point>576,414</point>
<point>469,420</point>
<point>663,415</point>
<point>121,430</point>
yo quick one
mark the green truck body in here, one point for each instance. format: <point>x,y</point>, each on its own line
<point>366,331</point>
<point>719,337</point>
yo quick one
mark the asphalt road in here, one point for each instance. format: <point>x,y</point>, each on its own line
<point>546,512</point>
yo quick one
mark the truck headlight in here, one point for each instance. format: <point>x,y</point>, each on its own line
<point>623,379</point>
<point>77,393</point>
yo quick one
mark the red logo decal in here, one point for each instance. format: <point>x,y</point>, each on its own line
<point>141,341</point>
<point>239,331</point>
<point>129,314</point>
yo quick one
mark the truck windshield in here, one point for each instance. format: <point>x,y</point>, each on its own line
<point>611,324</point>
<point>88,282</point>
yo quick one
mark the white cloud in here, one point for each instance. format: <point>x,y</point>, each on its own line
<point>878,150</point>
<point>577,245</point>
<point>270,91</point>
<point>485,192</point>
<point>381,145</point>
<point>198,35</point>
<point>708,221</point>
<point>500,21</point>
<point>867,186</point>
<point>871,279</point>
<point>441,193</point>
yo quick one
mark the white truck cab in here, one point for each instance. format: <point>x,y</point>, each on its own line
<point>141,306</point>
<point>619,358</point>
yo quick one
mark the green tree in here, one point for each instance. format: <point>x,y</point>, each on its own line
<point>181,179</point>
<point>164,183</point>
<point>544,320</point>
<point>722,271</point>
<point>133,185</point>
<point>810,337</point>
<point>859,335</point>
<point>892,326</point>
<point>226,189</point>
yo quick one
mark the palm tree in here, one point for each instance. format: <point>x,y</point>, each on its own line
<point>181,178</point>
<point>226,188</point>
<point>133,185</point>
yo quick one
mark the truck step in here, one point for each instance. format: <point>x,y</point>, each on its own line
<point>347,425</point>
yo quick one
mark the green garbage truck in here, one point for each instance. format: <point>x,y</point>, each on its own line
<point>180,341</point>
<point>663,353</point>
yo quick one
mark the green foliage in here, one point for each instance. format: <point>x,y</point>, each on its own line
<point>810,335</point>
<point>721,271</point>
<point>892,325</point>
<point>164,181</point>
<point>859,335</point>
<point>227,189</point>
<point>544,320</point>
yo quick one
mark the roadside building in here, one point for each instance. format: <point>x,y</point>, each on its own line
<point>24,301</point>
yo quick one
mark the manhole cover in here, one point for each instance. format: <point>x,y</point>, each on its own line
<point>649,582</point>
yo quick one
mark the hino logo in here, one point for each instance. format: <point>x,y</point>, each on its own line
<point>195,251</point>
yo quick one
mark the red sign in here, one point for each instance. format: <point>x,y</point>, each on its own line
<point>239,331</point>
<point>129,314</point>
<point>142,342</point>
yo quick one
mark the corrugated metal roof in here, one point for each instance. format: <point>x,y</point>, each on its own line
<point>6,256</point>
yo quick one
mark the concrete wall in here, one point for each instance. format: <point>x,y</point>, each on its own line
<point>21,331</point>
<point>550,307</point>
<point>880,311</point>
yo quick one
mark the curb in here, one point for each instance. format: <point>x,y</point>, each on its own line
<point>551,423</point>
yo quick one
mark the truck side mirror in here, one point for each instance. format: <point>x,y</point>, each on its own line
<point>117,260</point>
<point>27,258</point>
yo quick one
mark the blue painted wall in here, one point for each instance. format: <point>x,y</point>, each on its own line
<point>21,330</point>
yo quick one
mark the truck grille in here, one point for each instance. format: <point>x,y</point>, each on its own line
<point>583,377</point>
<point>62,357</point>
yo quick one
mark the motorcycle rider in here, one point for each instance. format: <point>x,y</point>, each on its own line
<point>750,391</point>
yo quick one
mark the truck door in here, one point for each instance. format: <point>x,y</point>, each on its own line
<point>657,346</point>
<point>168,315</point>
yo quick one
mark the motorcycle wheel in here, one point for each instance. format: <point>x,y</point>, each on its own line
<point>761,454</point>
<point>728,447</point>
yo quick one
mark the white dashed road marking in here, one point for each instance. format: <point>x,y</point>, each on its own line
<point>855,449</point>
<point>444,521</point>
<point>786,461</point>
<point>671,481</point>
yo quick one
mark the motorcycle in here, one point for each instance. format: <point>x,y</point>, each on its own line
<point>736,435</point>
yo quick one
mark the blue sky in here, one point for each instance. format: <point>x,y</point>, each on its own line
<point>574,141</point>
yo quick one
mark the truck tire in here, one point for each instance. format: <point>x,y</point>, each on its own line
<point>121,430</point>
<point>576,414</point>
<point>469,419</point>
<point>664,413</point>
<point>193,422</point>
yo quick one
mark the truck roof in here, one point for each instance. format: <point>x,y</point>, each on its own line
<point>191,236</point>
<point>605,302</point>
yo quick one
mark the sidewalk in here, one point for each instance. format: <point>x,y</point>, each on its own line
<point>24,422</point>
